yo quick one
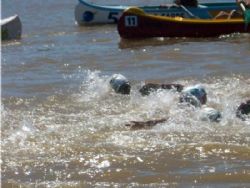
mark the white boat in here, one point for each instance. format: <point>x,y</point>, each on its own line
<point>11,28</point>
<point>90,13</point>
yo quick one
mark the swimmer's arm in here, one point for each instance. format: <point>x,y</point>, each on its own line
<point>144,124</point>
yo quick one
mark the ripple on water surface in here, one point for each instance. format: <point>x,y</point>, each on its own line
<point>79,138</point>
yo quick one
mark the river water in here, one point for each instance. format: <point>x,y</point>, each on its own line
<point>62,126</point>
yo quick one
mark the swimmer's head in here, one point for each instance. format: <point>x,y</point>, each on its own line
<point>195,95</point>
<point>210,114</point>
<point>243,110</point>
<point>120,84</point>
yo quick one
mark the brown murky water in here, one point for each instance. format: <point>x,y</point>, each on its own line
<point>62,126</point>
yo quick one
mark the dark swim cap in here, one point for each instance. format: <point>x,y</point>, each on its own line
<point>243,110</point>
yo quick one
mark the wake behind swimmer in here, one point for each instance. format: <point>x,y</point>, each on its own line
<point>194,95</point>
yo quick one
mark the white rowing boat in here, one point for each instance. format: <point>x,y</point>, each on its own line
<point>90,13</point>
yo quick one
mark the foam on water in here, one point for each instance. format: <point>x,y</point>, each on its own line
<point>100,105</point>
<point>83,135</point>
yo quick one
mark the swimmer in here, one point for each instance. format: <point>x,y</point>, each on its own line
<point>243,110</point>
<point>120,84</point>
<point>197,96</point>
<point>193,95</point>
<point>210,114</point>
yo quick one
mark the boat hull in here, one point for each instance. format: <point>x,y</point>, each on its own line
<point>11,28</point>
<point>87,13</point>
<point>135,23</point>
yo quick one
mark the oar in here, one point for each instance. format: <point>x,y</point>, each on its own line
<point>187,11</point>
